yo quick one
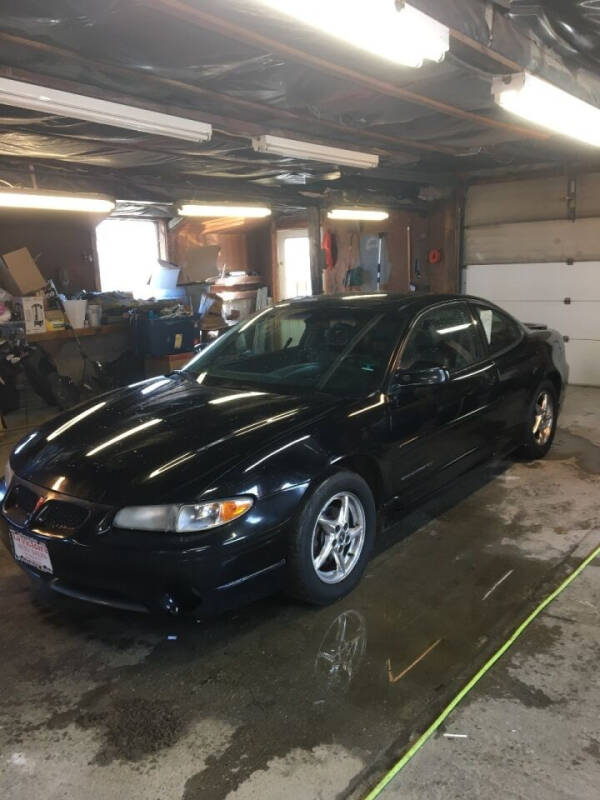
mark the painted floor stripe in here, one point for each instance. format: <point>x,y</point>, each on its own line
<point>389,776</point>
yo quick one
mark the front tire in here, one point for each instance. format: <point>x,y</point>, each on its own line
<point>332,540</point>
<point>541,422</point>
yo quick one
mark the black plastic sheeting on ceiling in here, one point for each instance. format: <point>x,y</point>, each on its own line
<point>166,48</point>
<point>570,27</point>
<point>126,47</point>
<point>518,29</point>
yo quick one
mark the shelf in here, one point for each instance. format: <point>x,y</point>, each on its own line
<point>53,336</point>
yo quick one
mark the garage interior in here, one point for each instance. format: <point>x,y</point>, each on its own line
<point>279,699</point>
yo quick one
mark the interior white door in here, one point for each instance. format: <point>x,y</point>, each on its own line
<point>293,255</point>
<point>560,295</point>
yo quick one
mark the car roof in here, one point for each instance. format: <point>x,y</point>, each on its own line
<point>413,300</point>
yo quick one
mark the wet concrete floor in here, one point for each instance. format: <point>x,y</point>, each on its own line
<point>531,727</point>
<point>280,700</point>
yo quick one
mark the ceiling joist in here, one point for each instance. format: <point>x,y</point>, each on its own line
<point>287,118</point>
<point>232,30</point>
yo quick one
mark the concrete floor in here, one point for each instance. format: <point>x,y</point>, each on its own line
<point>279,700</point>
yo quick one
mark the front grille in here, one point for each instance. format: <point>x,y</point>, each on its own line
<point>23,506</point>
<point>58,516</point>
<point>20,503</point>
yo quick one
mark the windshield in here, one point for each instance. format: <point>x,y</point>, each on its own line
<point>320,348</point>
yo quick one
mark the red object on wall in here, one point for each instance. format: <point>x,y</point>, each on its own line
<point>330,248</point>
<point>434,256</point>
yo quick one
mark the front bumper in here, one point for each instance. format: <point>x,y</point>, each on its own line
<point>200,573</point>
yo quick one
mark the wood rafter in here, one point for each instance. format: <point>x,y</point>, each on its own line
<point>286,117</point>
<point>232,30</point>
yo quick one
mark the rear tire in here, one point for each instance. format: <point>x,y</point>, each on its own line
<point>332,540</point>
<point>541,422</point>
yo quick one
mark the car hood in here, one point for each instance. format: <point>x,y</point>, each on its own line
<point>164,440</point>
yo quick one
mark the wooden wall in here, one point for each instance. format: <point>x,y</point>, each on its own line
<point>435,230</point>
<point>246,248</point>
<point>63,246</point>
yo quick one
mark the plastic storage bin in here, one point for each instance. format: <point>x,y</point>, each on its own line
<point>157,336</point>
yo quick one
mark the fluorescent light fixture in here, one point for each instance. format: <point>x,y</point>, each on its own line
<point>293,148</point>
<point>104,112</point>
<point>365,214</point>
<point>388,29</point>
<point>207,210</point>
<point>55,201</point>
<point>538,101</point>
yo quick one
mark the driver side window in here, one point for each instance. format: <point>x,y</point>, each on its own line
<point>443,337</point>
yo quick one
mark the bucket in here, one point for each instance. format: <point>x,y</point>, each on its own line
<point>75,310</point>
<point>94,315</point>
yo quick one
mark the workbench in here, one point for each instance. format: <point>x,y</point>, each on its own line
<point>54,336</point>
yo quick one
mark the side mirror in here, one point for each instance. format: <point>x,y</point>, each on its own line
<point>432,376</point>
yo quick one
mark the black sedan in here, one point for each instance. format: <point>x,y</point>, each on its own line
<point>267,461</point>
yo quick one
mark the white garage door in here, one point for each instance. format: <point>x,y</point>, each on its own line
<point>537,293</point>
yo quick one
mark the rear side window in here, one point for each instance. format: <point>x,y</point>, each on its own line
<point>501,332</point>
<point>443,337</point>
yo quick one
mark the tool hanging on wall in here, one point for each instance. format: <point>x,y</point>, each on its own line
<point>411,285</point>
<point>380,238</point>
<point>354,276</point>
<point>329,247</point>
<point>420,259</point>
<point>434,256</point>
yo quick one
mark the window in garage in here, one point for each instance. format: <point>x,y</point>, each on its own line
<point>128,251</point>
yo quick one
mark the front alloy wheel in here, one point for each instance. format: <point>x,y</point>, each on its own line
<point>332,539</point>
<point>338,537</point>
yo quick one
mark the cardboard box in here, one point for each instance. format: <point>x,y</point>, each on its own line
<point>31,311</point>
<point>19,274</point>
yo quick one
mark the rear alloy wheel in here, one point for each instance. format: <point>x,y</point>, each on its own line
<point>543,422</point>
<point>332,541</point>
<point>541,425</point>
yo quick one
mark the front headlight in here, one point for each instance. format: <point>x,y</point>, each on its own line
<point>183,518</point>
